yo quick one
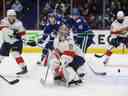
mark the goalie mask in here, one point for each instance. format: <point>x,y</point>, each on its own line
<point>63,32</point>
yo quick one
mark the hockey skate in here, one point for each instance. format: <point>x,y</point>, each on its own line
<point>105,62</point>
<point>42,62</point>
<point>81,76</point>
<point>38,62</point>
<point>23,71</point>
<point>104,59</point>
<point>74,82</point>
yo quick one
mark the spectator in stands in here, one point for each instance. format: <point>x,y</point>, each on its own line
<point>60,6</point>
<point>47,7</point>
<point>7,4</point>
<point>18,7</point>
<point>43,21</point>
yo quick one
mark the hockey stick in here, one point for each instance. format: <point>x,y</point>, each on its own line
<point>84,45</point>
<point>85,41</point>
<point>96,73</point>
<point>98,56</point>
<point>10,82</point>
<point>123,49</point>
<point>43,81</point>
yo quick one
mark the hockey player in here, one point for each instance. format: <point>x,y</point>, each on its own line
<point>83,33</point>
<point>13,32</point>
<point>48,35</point>
<point>66,61</point>
<point>119,29</point>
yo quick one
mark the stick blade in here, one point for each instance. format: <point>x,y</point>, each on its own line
<point>102,73</point>
<point>14,81</point>
<point>98,55</point>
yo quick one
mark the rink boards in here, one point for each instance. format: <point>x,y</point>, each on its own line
<point>101,38</point>
<point>90,50</point>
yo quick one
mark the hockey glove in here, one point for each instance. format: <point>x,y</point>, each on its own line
<point>31,43</point>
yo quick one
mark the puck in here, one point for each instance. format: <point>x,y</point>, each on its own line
<point>118,70</point>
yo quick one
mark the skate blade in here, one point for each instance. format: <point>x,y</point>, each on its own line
<point>23,75</point>
<point>16,76</point>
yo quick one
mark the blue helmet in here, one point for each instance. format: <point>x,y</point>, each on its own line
<point>75,12</point>
<point>51,13</point>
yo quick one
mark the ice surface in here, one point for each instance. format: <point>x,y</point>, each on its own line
<point>114,84</point>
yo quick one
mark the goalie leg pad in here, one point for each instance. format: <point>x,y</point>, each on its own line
<point>77,62</point>
<point>70,74</point>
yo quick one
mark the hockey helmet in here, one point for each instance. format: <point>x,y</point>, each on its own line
<point>75,12</point>
<point>11,12</point>
<point>120,14</point>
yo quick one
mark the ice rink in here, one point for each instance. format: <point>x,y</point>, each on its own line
<point>114,84</point>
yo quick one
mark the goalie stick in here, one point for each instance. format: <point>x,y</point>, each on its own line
<point>10,82</point>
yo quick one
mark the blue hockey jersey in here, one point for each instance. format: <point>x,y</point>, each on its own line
<point>79,25</point>
<point>52,29</point>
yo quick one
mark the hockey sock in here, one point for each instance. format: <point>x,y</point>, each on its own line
<point>20,61</point>
<point>107,54</point>
<point>1,58</point>
<point>45,61</point>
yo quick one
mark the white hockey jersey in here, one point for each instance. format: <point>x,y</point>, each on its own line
<point>7,32</point>
<point>116,25</point>
<point>67,45</point>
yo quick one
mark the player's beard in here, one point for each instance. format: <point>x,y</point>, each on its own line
<point>11,21</point>
<point>120,20</point>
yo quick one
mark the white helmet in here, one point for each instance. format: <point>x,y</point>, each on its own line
<point>120,14</point>
<point>11,12</point>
